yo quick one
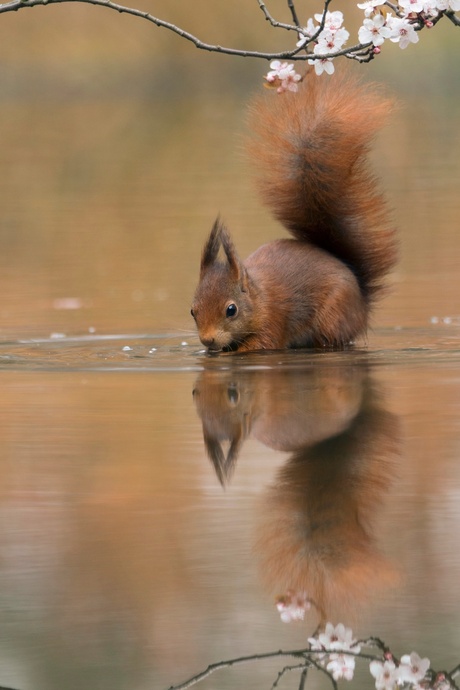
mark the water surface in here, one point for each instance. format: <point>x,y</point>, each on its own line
<point>155,502</point>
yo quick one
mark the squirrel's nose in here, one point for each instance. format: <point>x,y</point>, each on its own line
<point>208,342</point>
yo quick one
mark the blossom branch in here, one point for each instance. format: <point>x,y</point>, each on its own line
<point>324,36</point>
<point>292,54</point>
<point>453,17</point>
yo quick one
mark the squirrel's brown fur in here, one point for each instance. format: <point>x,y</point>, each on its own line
<point>315,290</point>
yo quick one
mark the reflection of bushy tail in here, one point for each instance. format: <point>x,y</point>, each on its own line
<point>310,149</point>
<point>317,527</point>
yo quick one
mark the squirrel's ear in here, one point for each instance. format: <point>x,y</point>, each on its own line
<point>236,265</point>
<point>219,237</point>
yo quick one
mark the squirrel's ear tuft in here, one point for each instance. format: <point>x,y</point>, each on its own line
<point>212,246</point>
<point>218,238</point>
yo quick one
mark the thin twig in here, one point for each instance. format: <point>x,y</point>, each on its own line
<point>295,18</point>
<point>273,22</point>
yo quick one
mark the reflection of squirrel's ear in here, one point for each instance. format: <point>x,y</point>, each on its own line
<point>223,465</point>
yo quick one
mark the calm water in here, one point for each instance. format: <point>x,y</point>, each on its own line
<point>155,502</point>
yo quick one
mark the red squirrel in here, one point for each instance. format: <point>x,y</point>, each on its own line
<point>317,289</point>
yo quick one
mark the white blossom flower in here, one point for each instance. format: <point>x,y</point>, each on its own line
<point>402,31</point>
<point>341,666</point>
<point>430,9</point>
<point>412,668</point>
<point>384,674</point>
<point>292,606</point>
<point>332,21</point>
<point>448,5</point>
<point>411,6</point>
<point>323,65</point>
<point>282,76</point>
<point>330,41</point>
<point>369,6</point>
<point>307,32</point>
<point>374,31</point>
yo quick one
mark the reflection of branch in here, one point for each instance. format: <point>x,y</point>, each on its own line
<point>312,658</point>
<point>233,662</point>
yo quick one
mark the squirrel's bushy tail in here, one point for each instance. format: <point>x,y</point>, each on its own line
<point>310,149</point>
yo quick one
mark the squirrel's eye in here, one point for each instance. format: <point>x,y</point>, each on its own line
<point>233,394</point>
<point>231,310</point>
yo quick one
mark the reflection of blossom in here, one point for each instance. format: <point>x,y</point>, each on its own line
<point>384,673</point>
<point>292,606</point>
<point>337,639</point>
<point>341,666</point>
<point>413,668</point>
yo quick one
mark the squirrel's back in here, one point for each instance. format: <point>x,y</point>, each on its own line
<point>310,150</point>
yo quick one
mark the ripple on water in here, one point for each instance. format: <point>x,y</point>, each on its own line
<point>173,352</point>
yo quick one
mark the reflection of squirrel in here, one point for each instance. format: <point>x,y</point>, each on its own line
<point>317,289</point>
